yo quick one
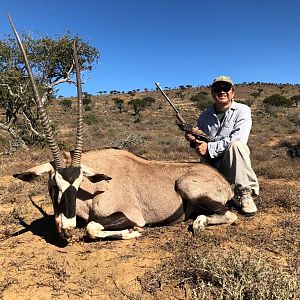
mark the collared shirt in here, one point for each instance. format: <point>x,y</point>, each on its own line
<point>235,125</point>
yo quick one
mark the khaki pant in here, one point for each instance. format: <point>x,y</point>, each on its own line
<point>235,165</point>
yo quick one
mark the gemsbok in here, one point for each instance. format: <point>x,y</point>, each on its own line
<point>116,192</point>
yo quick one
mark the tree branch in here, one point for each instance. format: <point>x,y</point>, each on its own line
<point>11,93</point>
<point>50,86</point>
<point>14,135</point>
<point>31,127</point>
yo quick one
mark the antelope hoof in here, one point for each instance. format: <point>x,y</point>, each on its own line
<point>230,217</point>
<point>93,229</point>
<point>199,224</point>
<point>138,229</point>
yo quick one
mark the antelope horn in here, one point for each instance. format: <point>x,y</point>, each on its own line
<point>42,113</point>
<point>79,133</point>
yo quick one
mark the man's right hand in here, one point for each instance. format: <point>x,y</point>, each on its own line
<point>200,146</point>
<point>190,138</point>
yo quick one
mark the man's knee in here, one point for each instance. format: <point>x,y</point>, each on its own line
<point>238,146</point>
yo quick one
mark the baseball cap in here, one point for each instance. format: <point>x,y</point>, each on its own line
<point>223,79</point>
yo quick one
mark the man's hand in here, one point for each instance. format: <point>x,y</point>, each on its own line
<point>190,138</point>
<point>202,148</point>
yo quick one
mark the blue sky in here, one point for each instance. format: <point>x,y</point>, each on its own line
<point>174,42</point>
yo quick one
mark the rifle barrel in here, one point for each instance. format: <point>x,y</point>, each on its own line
<point>164,94</point>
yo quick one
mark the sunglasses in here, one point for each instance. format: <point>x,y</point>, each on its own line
<point>221,87</point>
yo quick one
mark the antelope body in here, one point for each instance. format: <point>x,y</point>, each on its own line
<point>124,191</point>
<point>115,191</point>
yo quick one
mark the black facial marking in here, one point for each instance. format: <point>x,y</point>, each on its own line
<point>53,192</point>
<point>69,174</point>
<point>67,203</point>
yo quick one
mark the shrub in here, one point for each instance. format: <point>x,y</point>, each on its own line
<point>66,104</point>
<point>278,100</point>
<point>294,117</point>
<point>131,93</point>
<point>296,99</point>
<point>236,276</point>
<point>260,90</point>
<point>202,100</point>
<point>119,103</point>
<point>137,104</point>
<point>148,100</point>
<point>91,119</point>
<point>87,104</point>
<point>240,101</point>
<point>255,94</point>
<point>86,101</point>
<point>204,93</point>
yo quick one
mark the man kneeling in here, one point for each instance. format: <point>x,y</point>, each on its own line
<point>227,124</point>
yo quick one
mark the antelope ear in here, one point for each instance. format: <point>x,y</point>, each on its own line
<point>34,172</point>
<point>92,176</point>
<point>98,177</point>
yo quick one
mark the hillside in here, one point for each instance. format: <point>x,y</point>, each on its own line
<point>256,258</point>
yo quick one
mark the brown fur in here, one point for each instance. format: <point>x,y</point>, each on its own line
<point>146,192</point>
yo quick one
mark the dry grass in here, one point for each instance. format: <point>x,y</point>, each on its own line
<point>237,275</point>
<point>258,258</point>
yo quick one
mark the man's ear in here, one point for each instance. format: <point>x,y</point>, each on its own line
<point>34,172</point>
<point>92,176</point>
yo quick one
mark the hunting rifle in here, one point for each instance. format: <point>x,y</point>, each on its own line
<point>183,125</point>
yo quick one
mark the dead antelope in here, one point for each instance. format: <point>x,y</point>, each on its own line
<point>116,192</point>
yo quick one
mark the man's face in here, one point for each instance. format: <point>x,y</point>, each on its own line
<point>222,93</point>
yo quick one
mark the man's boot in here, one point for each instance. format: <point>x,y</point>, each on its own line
<point>245,200</point>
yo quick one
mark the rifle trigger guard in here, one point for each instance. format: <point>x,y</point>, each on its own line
<point>186,127</point>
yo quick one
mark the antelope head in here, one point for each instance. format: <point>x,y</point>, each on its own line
<point>64,181</point>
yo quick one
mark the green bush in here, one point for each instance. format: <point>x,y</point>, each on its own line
<point>255,94</point>
<point>148,100</point>
<point>91,119</point>
<point>204,93</point>
<point>295,99</point>
<point>66,104</point>
<point>260,90</point>
<point>240,101</point>
<point>202,101</point>
<point>119,103</point>
<point>278,100</point>
<point>87,104</point>
<point>137,104</point>
<point>86,101</point>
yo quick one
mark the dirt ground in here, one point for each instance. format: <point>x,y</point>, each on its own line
<point>36,264</point>
<point>256,258</point>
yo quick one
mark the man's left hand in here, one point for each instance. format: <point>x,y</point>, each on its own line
<point>202,148</point>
